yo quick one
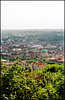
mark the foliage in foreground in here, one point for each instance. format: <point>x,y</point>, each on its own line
<point>18,83</point>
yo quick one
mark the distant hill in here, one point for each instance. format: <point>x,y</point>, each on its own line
<point>30,35</point>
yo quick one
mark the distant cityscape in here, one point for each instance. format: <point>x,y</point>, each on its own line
<point>32,45</point>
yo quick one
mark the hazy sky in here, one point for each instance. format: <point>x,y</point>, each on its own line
<point>32,14</point>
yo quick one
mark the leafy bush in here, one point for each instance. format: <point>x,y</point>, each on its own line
<point>44,84</point>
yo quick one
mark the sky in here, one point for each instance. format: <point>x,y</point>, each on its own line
<point>32,15</point>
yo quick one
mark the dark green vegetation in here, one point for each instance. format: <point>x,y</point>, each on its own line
<point>19,83</point>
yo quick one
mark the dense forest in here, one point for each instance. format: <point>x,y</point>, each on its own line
<point>20,83</point>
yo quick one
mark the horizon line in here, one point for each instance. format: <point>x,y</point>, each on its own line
<point>33,29</point>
